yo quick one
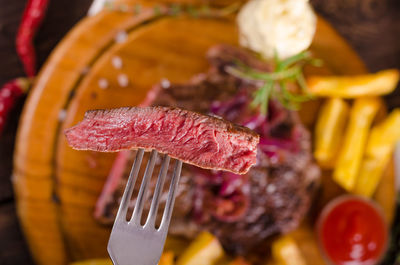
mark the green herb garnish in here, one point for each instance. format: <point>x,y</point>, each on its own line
<point>175,9</point>
<point>123,8</point>
<point>230,9</point>
<point>157,10</point>
<point>205,10</point>
<point>287,73</point>
<point>136,9</point>
<point>109,5</point>
<point>192,11</point>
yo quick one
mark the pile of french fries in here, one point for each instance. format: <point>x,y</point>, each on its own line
<point>348,139</point>
<point>206,250</point>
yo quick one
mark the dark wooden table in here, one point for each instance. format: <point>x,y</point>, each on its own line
<point>371,26</point>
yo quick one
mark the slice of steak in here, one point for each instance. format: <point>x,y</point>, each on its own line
<point>201,140</point>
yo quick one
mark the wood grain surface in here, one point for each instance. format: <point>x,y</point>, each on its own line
<point>63,14</point>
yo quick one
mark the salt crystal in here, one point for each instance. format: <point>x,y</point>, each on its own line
<point>36,12</point>
<point>271,188</point>
<point>92,163</point>
<point>123,80</point>
<point>371,246</point>
<point>165,83</point>
<point>278,202</point>
<point>246,189</point>
<point>121,37</point>
<point>288,175</point>
<point>6,93</point>
<point>116,62</point>
<point>356,251</point>
<point>273,160</point>
<point>103,83</point>
<point>62,115</point>
<point>357,237</point>
<point>85,70</point>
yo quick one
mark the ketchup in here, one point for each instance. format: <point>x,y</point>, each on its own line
<point>352,231</point>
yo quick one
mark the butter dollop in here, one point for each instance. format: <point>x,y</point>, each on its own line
<point>284,26</point>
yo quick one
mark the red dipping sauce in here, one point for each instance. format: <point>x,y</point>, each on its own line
<point>352,231</point>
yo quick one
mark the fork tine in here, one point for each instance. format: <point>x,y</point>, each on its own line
<point>150,222</point>
<point>171,196</point>
<point>137,212</point>
<point>123,208</point>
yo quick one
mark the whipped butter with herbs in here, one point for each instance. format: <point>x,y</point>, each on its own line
<point>284,26</point>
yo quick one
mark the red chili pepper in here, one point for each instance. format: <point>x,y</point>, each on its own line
<point>9,93</point>
<point>31,19</point>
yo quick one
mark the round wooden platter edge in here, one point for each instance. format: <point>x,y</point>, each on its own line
<point>57,187</point>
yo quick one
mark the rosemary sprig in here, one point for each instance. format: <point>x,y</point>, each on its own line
<point>262,93</point>
<point>123,8</point>
<point>231,9</point>
<point>136,9</point>
<point>276,84</point>
<point>175,9</point>
<point>109,5</point>
<point>192,11</point>
<point>157,10</point>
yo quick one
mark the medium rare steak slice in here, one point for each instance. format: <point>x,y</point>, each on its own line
<point>197,139</point>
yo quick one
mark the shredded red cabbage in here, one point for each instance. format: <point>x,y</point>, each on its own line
<point>230,109</point>
<point>222,194</point>
<point>232,208</point>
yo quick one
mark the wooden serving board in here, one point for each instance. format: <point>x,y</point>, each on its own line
<point>57,187</point>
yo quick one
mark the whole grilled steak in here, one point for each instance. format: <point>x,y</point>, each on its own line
<point>201,140</point>
<point>242,210</point>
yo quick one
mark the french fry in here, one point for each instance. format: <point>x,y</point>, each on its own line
<point>204,250</point>
<point>286,252</point>
<point>352,149</point>
<point>379,149</point>
<point>376,84</point>
<point>167,258</point>
<point>329,131</point>
<point>176,244</point>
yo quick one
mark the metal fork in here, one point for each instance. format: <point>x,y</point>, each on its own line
<point>130,242</point>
